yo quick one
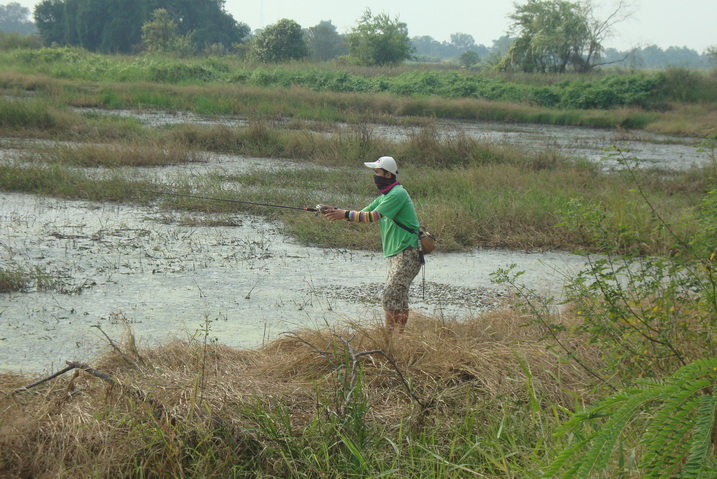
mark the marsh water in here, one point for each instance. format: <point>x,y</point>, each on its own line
<point>242,282</point>
<point>652,149</point>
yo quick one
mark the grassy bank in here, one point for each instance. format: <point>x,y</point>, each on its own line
<point>476,400</point>
<point>299,103</point>
<point>332,93</point>
<point>483,397</point>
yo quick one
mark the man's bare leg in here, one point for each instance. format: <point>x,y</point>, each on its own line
<point>402,319</point>
<point>396,319</point>
<point>392,319</point>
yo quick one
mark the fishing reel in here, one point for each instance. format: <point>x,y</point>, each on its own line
<point>321,208</point>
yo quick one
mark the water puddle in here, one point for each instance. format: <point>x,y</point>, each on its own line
<point>245,282</point>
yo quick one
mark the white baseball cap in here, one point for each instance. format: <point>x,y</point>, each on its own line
<point>385,162</point>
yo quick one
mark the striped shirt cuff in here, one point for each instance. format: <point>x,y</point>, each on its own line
<point>362,216</point>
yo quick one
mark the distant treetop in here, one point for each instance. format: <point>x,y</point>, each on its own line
<point>116,25</point>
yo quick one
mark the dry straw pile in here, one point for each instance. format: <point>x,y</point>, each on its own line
<point>158,403</point>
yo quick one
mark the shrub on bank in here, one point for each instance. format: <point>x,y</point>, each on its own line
<point>602,91</point>
<point>15,41</point>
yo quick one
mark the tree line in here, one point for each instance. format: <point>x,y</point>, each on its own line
<point>545,36</point>
<point>115,26</point>
<point>14,18</point>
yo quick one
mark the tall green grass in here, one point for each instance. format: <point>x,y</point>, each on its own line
<point>40,118</point>
<point>605,91</point>
<point>17,114</point>
<point>326,93</point>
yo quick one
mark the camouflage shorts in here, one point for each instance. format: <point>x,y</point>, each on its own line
<point>402,268</point>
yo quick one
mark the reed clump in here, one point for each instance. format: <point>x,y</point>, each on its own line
<point>32,115</point>
<point>61,181</point>
<point>115,155</point>
<point>13,281</point>
<point>192,409</point>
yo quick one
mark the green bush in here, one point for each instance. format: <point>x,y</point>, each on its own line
<point>49,55</point>
<point>545,96</point>
<point>682,84</point>
<point>178,72</point>
<point>613,91</point>
<point>15,41</point>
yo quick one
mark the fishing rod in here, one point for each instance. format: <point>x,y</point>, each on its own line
<point>317,209</point>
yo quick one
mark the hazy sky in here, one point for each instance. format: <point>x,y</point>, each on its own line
<point>664,23</point>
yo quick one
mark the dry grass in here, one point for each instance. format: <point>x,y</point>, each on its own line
<point>696,119</point>
<point>80,426</point>
<point>11,281</point>
<point>116,155</point>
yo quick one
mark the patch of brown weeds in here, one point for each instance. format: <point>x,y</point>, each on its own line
<point>78,424</point>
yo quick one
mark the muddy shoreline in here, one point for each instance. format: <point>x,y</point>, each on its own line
<point>115,266</point>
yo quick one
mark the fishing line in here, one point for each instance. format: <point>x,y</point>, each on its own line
<point>269,205</point>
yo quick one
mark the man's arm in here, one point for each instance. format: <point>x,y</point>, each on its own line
<point>352,215</point>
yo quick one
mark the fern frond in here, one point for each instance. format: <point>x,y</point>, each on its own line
<point>564,457</point>
<point>665,441</point>
<point>701,442</point>
<point>695,370</point>
<point>664,457</point>
<point>679,422</point>
<point>671,423</point>
<point>598,454</point>
<point>599,410</point>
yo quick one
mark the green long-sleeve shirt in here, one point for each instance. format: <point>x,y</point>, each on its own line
<point>395,205</point>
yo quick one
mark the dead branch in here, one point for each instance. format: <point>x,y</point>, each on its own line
<point>159,410</point>
<point>70,366</point>
<point>105,377</point>
<point>325,354</point>
<point>355,365</point>
<point>356,356</point>
<point>43,380</point>
<point>114,346</point>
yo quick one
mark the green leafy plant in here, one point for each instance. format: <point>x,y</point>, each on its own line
<point>649,314</point>
<point>676,417</point>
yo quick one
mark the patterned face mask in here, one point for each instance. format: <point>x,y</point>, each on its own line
<point>382,182</point>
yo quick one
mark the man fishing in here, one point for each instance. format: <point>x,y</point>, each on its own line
<point>396,216</point>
